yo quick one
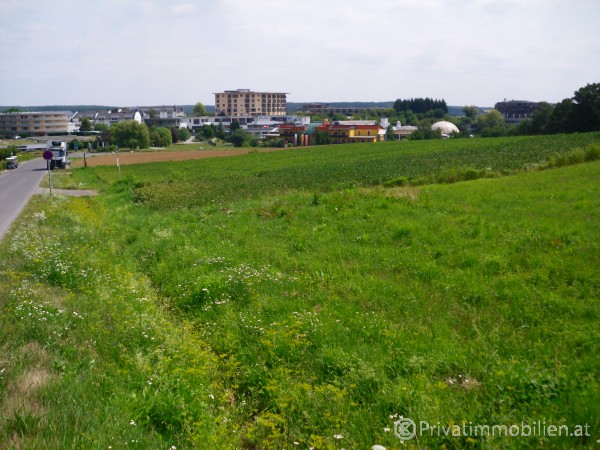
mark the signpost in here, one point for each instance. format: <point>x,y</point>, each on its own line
<point>118,165</point>
<point>48,157</point>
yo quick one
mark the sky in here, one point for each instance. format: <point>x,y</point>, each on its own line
<point>176,52</point>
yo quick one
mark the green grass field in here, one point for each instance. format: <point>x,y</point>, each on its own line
<point>303,299</point>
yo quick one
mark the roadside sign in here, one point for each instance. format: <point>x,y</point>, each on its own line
<point>47,155</point>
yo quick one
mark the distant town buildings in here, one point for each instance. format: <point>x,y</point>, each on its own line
<point>259,126</point>
<point>338,132</point>
<point>244,102</point>
<point>263,114</point>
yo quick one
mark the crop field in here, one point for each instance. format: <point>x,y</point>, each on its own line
<point>316,169</point>
<point>310,298</point>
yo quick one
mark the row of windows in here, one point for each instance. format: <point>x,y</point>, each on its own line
<point>28,124</point>
<point>235,111</point>
<point>274,100</point>
<point>34,116</point>
<point>27,128</point>
<point>345,140</point>
<point>251,95</point>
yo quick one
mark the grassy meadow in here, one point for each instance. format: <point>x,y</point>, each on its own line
<point>309,298</point>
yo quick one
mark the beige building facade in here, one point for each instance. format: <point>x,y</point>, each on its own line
<point>244,102</point>
<point>37,123</point>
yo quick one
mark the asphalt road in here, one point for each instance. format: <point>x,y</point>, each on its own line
<point>16,187</point>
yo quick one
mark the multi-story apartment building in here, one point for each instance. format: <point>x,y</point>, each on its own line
<point>244,102</point>
<point>38,123</point>
<point>516,111</point>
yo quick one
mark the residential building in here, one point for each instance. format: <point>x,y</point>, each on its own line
<point>109,116</point>
<point>39,123</point>
<point>244,102</point>
<point>161,116</point>
<point>344,134</point>
<point>293,133</point>
<point>315,108</point>
<point>403,131</point>
<point>195,123</point>
<point>160,112</point>
<point>167,122</point>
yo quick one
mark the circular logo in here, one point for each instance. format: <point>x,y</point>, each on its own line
<point>405,429</point>
<point>47,155</point>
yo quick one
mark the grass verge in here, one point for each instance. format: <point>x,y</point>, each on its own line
<point>311,317</point>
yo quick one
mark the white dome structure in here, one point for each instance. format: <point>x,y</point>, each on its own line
<point>445,127</point>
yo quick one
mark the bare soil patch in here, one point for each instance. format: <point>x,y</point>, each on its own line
<point>158,156</point>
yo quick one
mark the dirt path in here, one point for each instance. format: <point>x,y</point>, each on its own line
<point>68,192</point>
<point>158,156</point>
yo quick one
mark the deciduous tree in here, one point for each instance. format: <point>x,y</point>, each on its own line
<point>86,125</point>
<point>491,124</point>
<point>562,119</point>
<point>471,111</point>
<point>160,137</point>
<point>587,107</point>
<point>238,137</point>
<point>130,134</point>
<point>183,134</point>
<point>541,118</point>
<point>199,109</point>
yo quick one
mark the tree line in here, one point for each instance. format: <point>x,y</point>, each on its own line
<point>134,135</point>
<point>420,105</point>
<point>580,113</point>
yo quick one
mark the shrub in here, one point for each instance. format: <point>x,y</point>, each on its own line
<point>579,155</point>
<point>398,181</point>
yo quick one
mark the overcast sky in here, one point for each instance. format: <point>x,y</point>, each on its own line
<point>155,52</point>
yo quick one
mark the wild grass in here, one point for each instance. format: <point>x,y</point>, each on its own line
<point>308,315</point>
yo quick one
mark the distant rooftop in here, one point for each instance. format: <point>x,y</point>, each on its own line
<point>249,91</point>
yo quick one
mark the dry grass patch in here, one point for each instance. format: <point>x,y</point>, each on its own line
<point>34,354</point>
<point>408,192</point>
<point>411,193</point>
<point>22,392</point>
<point>31,381</point>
